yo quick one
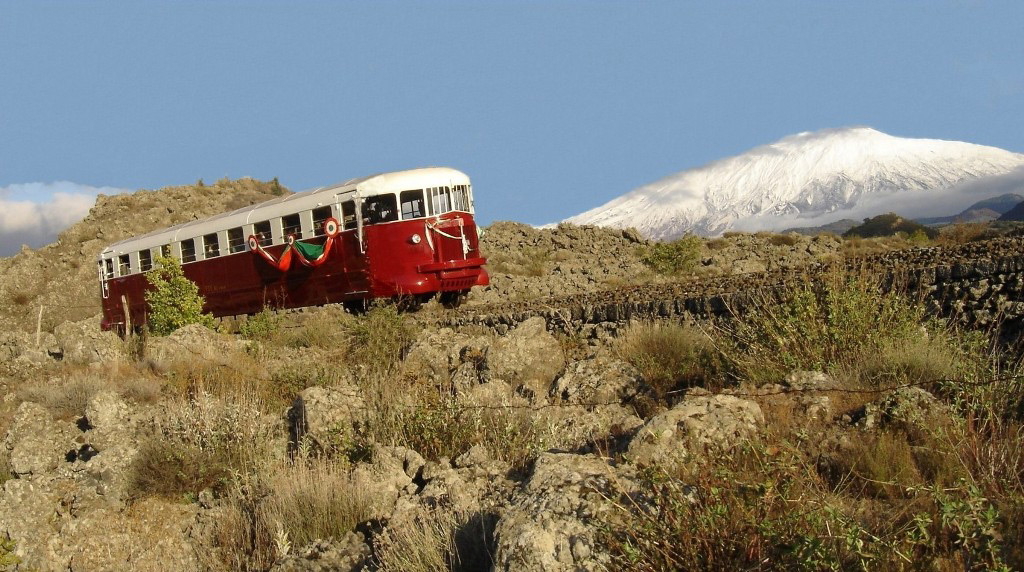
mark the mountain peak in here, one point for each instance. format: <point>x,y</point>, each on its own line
<point>806,174</point>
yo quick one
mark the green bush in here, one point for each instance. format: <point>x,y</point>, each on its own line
<point>676,257</point>
<point>834,326</point>
<point>262,326</point>
<point>671,357</point>
<point>173,299</point>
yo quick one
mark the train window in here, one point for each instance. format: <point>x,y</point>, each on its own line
<point>123,265</point>
<point>412,204</point>
<point>211,246</point>
<point>440,200</point>
<point>165,251</point>
<point>109,267</point>
<point>380,208</point>
<point>236,240</point>
<point>291,225</point>
<point>262,232</point>
<point>319,216</point>
<point>145,261</point>
<point>188,250</point>
<point>348,215</point>
<point>458,198</point>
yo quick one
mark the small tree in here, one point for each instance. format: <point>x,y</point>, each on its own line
<point>174,300</point>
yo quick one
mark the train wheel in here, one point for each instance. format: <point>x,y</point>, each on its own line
<point>453,299</point>
<point>355,306</point>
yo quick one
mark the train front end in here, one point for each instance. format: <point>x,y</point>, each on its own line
<point>422,241</point>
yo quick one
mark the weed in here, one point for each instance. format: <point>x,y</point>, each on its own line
<point>830,326</point>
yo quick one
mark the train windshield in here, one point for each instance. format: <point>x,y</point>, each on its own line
<point>445,199</point>
<point>380,208</point>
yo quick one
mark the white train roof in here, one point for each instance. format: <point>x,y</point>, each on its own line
<point>368,186</point>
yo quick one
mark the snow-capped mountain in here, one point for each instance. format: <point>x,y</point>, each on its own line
<point>808,177</point>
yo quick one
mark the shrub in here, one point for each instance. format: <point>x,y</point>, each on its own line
<point>673,258</point>
<point>831,326</point>
<point>888,225</point>
<point>289,504</point>
<point>737,514</point>
<point>260,326</point>
<point>443,426</point>
<point>326,328</point>
<point>175,471</point>
<point>784,239</point>
<point>199,442</point>
<point>438,540</point>
<point>671,356</point>
<point>380,338</point>
<point>173,299</point>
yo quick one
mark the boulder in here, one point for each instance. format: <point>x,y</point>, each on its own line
<point>913,407</point>
<point>193,343</point>
<point>528,357</point>
<point>109,444</point>
<point>597,381</point>
<point>553,519</point>
<point>36,442</point>
<point>712,423</point>
<point>84,342</point>
<point>326,418</point>
<point>348,554</point>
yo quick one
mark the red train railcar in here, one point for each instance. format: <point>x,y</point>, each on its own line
<point>403,234</point>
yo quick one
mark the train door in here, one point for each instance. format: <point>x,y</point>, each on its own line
<point>353,248</point>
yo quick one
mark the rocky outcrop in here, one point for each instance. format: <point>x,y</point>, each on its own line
<point>699,423</point>
<point>84,343</point>
<point>324,419</point>
<point>528,358</point>
<point>551,522</point>
<point>65,508</point>
<point>193,343</point>
<point>349,554</point>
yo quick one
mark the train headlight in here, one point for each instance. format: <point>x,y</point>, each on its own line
<point>415,239</point>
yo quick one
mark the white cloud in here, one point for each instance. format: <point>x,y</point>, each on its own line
<point>35,213</point>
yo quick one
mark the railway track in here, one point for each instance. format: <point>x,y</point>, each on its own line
<point>944,273</point>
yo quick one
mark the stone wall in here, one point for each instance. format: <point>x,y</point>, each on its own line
<point>976,283</point>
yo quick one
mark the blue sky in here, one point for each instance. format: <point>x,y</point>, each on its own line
<point>551,107</point>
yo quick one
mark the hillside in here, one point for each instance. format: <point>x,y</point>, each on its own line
<point>1014,214</point>
<point>798,178</point>
<point>982,211</point>
<point>751,405</point>
<point>888,225</point>
<point>62,275</point>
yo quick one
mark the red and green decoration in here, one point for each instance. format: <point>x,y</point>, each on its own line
<point>311,255</point>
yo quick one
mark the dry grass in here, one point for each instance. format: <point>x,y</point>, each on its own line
<point>438,541</point>
<point>69,390</point>
<point>285,505</point>
<point>198,443</point>
<point>671,357</point>
<point>962,233</point>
